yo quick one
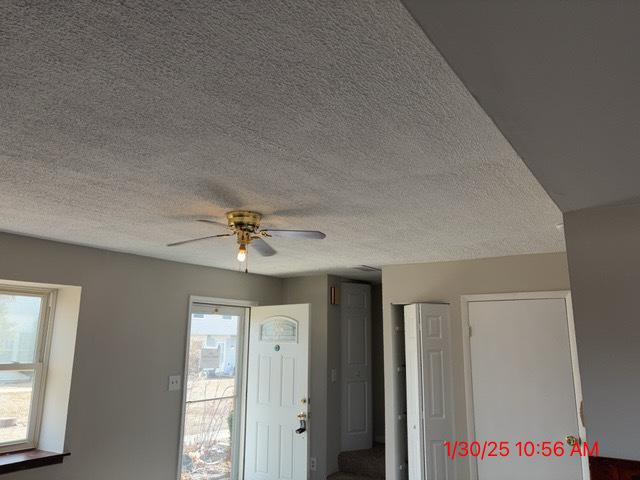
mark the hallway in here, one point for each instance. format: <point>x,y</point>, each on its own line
<point>361,464</point>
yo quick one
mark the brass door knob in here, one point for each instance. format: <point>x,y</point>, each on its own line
<point>571,440</point>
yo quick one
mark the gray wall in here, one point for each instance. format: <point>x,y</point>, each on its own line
<point>123,423</point>
<point>314,290</point>
<point>446,282</point>
<point>334,399</point>
<point>603,248</point>
<point>560,80</point>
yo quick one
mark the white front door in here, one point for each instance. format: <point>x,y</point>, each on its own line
<point>277,392</point>
<point>357,411</point>
<point>523,387</point>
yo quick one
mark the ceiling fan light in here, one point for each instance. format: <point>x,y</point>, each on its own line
<point>242,252</point>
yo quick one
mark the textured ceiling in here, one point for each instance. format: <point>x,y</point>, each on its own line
<point>123,122</point>
<point>561,80</point>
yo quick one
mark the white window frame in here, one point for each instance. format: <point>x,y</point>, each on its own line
<point>39,366</point>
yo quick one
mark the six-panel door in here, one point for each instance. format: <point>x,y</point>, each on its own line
<point>277,392</point>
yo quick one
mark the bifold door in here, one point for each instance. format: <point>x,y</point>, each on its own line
<point>429,391</point>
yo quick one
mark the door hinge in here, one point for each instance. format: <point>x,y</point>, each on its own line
<point>470,330</point>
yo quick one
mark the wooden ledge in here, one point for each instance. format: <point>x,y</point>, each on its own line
<point>27,459</point>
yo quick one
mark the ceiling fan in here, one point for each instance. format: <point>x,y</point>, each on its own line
<point>245,226</point>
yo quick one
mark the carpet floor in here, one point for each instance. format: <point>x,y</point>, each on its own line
<point>361,464</point>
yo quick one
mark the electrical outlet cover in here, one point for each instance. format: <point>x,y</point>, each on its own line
<point>174,383</point>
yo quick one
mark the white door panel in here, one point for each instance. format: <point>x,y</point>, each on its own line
<point>523,386</point>
<point>277,391</point>
<point>430,419</point>
<point>357,412</point>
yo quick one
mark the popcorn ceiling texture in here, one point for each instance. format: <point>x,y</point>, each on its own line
<point>123,122</point>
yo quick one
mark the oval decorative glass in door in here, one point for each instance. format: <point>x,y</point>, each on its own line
<point>279,329</point>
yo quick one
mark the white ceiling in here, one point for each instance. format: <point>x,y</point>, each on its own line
<point>561,80</point>
<point>123,123</point>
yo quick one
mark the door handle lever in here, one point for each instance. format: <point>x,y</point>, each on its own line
<point>303,427</point>
<point>302,417</point>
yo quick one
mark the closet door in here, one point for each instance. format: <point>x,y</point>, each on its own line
<point>429,391</point>
<point>524,390</point>
<point>413,363</point>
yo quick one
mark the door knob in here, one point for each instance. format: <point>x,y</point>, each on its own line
<point>571,440</point>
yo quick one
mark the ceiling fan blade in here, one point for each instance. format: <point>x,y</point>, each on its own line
<point>262,247</point>
<point>198,239</point>
<point>312,234</point>
<point>220,224</point>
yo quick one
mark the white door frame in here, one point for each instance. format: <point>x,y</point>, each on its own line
<point>223,302</point>
<point>466,344</point>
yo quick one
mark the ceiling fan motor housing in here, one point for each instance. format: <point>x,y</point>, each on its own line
<point>244,220</point>
<point>244,223</point>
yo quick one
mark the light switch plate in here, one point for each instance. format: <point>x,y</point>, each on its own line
<point>175,382</point>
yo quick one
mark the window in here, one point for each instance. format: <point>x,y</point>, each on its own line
<point>210,430</point>
<point>24,330</point>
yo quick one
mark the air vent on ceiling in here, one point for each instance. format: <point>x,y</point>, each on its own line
<point>367,268</point>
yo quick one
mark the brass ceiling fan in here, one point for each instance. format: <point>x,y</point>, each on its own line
<point>245,226</point>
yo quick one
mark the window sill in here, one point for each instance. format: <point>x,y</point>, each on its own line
<point>27,459</point>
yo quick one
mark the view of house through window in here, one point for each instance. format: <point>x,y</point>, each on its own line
<point>210,433</point>
<point>22,352</point>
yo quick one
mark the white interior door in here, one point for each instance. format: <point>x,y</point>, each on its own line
<point>430,406</point>
<point>277,392</point>
<point>357,409</point>
<point>523,386</point>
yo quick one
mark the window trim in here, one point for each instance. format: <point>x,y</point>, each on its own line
<point>39,365</point>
